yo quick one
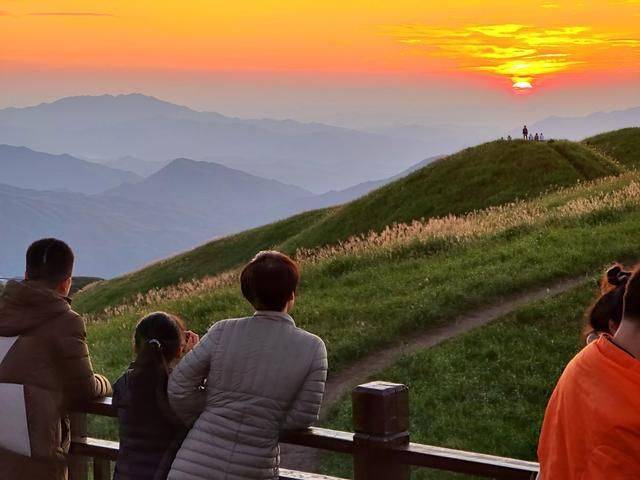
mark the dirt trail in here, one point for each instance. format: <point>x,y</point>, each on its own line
<point>307,460</point>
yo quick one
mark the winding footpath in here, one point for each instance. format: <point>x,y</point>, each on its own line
<point>305,459</point>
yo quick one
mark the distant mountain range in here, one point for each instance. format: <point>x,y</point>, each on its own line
<point>315,156</point>
<point>109,235</point>
<point>183,204</point>
<point>578,128</point>
<point>25,168</point>
<point>140,167</point>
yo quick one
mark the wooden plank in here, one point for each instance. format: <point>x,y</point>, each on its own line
<point>321,438</point>
<point>95,448</point>
<point>100,406</point>
<point>291,475</point>
<point>482,465</point>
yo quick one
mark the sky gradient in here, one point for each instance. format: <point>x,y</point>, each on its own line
<point>348,62</point>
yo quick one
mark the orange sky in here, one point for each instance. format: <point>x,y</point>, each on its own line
<point>490,42</point>
<point>465,37</point>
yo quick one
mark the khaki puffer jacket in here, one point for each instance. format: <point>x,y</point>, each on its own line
<point>44,370</point>
<point>263,375</point>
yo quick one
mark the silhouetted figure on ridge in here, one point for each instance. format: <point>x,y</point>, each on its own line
<point>525,132</point>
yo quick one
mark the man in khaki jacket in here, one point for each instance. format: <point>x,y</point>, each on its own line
<point>44,366</point>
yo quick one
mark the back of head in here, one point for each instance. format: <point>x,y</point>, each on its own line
<point>270,280</point>
<point>605,314</point>
<point>50,261</point>
<point>157,342</point>
<point>632,298</point>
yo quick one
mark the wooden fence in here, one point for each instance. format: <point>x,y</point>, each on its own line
<point>380,446</point>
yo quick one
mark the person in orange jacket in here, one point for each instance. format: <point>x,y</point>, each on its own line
<point>591,428</point>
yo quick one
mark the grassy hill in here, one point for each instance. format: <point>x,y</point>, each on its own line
<point>623,145</point>
<point>478,177</point>
<point>485,391</point>
<point>361,300</point>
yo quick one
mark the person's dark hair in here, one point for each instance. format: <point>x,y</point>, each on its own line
<point>632,297</point>
<point>269,280</point>
<point>157,342</point>
<point>609,306</point>
<point>49,260</point>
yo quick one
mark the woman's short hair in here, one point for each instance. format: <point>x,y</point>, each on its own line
<point>269,280</point>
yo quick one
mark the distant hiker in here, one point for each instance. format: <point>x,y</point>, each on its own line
<point>591,425</point>
<point>150,433</point>
<point>530,137</point>
<point>542,137</point>
<point>44,366</point>
<point>605,315</point>
<point>509,138</point>
<point>536,137</point>
<point>263,373</point>
<point>525,132</point>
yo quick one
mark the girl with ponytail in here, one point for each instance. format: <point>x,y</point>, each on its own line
<point>605,315</point>
<point>150,433</point>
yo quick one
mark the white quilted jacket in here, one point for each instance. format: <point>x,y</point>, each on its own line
<point>264,375</point>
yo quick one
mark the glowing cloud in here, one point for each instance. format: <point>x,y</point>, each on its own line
<point>521,53</point>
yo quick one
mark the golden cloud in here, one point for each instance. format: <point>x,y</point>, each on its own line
<point>522,53</point>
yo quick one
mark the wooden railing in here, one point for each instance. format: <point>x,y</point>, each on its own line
<point>380,446</point>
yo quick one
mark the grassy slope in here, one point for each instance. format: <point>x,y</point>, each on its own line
<point>623,145</point>
<point>360,304</point>
<point>485,391</point>
<point>489,174</point>
<point>213,257</point>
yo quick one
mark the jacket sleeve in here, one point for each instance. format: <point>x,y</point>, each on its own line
<point>186,395</point>
<point>79,382</point>
<point>305,408</point>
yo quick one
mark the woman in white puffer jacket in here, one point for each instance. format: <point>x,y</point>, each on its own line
<point>263,375</point>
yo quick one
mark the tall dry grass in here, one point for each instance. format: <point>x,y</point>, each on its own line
<point>452,228</point>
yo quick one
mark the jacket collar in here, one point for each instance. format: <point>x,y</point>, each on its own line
<point>27,304</point>
<point>277,316</point>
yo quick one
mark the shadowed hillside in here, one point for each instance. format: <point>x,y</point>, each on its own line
<point>623,145</point>
<point>490,174</point>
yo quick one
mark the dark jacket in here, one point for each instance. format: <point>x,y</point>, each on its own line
<point>45,370</point>
<point>150,434</point>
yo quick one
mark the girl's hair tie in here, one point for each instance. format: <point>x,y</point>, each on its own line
<point>155,341</point>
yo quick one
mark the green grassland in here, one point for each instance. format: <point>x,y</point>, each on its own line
<point>623,145</point>
<point>478,177</point>
<point>485,391</point>
<point>359,303</point>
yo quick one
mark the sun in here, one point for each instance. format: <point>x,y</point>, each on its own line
<point>523,85</point>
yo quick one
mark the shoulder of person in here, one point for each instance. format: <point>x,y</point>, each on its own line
<point>70,324</point>
<point>314,340</point>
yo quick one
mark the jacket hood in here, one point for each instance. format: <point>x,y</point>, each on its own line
<point>27,304</point>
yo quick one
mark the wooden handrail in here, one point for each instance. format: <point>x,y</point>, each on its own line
<point>379,440</point>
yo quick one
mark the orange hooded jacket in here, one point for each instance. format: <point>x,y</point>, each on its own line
<point>591,429</point>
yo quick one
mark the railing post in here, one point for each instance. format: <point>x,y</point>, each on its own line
<point>380,421</point>
<point>78,466</point>
<point>101,469</point>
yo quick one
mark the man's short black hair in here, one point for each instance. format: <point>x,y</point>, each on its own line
<point>269,280</point>
<point>49,260</point>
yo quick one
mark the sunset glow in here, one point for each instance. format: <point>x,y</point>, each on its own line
<point>495,43</point>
